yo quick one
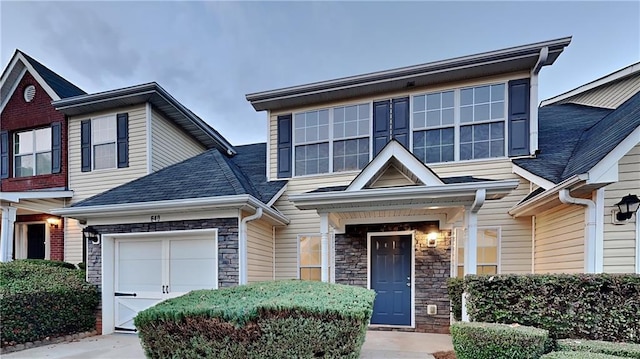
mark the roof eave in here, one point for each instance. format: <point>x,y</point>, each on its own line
<point>169,206</point>
<point>267,100</point>
<point>530,206</point>
<point>76,105</point>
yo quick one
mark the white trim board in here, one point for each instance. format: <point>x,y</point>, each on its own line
<point>535,179</point>
<point>411,233</point>
<point>606,170</point>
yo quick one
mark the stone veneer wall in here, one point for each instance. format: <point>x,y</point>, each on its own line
<point>228,265</point>
<point>432,269</point>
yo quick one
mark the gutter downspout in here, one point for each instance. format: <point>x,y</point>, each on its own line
<point>590,227</point>
<point>533,105</point>
<point>242,244</point>
<point>471,245</point>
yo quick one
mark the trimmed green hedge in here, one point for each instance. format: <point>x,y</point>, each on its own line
<point>279,319</point>
<point>45,262</point>
<point>455,288</point>
<point>497,341</point>
<point>626,350</point>
<point>578,355</point>
<point>39,301</point>
<point>585,306</point>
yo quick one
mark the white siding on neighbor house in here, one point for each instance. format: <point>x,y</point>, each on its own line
<point>516,233</point>
<point>559,240</point>
<point>259,251</point>
<point>620,240</point>
<point>610,95</point>
<point>170,144</point>
<point>72,241</point>
<point>87,184</point>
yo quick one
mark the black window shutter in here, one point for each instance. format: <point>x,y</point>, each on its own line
<point>518,121</point>
<point>4,154</point>
<point>381,126</point>
<point>400,121</point>
<point>123,140</point>
<point>56,147</point>
<point>85,145</point>
<point>285,152</point>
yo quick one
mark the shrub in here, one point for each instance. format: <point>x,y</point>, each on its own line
<point>455,288</point>
<point>496,341</point>
<point>587,306</point>
<point>39,301</point>
<point>45,262</point>
<point>626,350</point>
<point>578,355</point>
<point>280,319</point>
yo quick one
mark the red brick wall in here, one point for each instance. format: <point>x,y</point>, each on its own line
<point>56,235</point>
<point>21,115</point>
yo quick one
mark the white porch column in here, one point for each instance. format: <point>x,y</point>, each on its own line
<point>471,243</point>
<point>324,246</point>
<point>6,233</point>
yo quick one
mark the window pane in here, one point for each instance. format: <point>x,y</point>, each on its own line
<point>447,99</point>
<point>323,117</point>
<point>43,139</point>
<point>433,101</point>
<point>466,114</point>
<point>363,112</point>
<point>481,94</point>
<point>350,113</point>
<point>104,130</point>
<point>419,120</point>
<point>447,117</point>
<point>497,92</point>
<point>480,133</point>
<point>419,103</point>
<point>497,148</point>
<point>497,110</point>
<point>466,97</point>
<point>465,134</point>
<point>447,153</point>
<point>481,150</point>
<point>43,163</point>
<point>447,136</point>
<point>433,118</point>
<point>24,143</point>
<point>433,154</point>
<point>310,274</point>
<point>465,151</point>
<point>24,166</point>
<point>481,113</point>
<point>350,154</point>
<point>104,156</point>
<point>497,130</point>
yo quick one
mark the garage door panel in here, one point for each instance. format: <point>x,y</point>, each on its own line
<point>140,266</point>
<point>128,308</point>
<point>192,265</point>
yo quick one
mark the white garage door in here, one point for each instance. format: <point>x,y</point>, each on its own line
<point>148,271</point>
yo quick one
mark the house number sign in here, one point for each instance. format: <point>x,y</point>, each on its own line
<point>155,218</point>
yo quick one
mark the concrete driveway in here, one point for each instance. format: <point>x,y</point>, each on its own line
<point>120,346</point>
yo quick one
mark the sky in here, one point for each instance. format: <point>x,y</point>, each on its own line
<point>209,55</point>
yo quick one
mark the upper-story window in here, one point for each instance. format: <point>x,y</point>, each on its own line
<point>461,124</point>
<point>103,133</point>
<point>334,139</point>
<point>104,142</point>
<point>32,153</point>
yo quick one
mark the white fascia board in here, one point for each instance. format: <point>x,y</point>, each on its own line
<point>606,170</point>
<point>17,196</point>
<point>277,195</point>
<point>593,84</point>
<point>54,96</point>
<point>454,191</point>
<point>5,101</point>
<point>170,206</point>
<point>522,209</point>
<point>537,180</point>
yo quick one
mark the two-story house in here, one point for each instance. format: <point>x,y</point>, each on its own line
<point>33,160</point>
<point>394,181</point>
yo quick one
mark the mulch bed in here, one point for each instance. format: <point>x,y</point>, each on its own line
<point>445,355</point>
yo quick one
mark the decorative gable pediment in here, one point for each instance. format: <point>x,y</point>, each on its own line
<point>394,166</point>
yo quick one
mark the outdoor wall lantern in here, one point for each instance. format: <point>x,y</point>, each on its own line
<point>432,240</point>
<point>90,234</point>
<point>53,222</point>
<point>627,206</point>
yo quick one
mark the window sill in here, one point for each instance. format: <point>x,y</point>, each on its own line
<point>29,178</point>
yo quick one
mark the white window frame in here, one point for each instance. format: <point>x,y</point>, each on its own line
<point>498,265</point>
<point>34,153</point>
<point>457,124</point>
<point>331,248</point>
<point>331,138</point>
<point>95,143</point>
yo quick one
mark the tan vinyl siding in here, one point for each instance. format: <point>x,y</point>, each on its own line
<point>72,241</point>
<point>516,233</point>
<point>392,178</point>
<point>87,184</point>
<point>259,251</point>
<point>169,144</point>
<point>559,243</point>
<point>620,240</point>
<point>610,95</point>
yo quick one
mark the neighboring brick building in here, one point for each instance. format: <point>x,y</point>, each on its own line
<point>33,159</point>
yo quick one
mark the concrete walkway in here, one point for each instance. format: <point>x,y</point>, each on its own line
<point>120,346</point>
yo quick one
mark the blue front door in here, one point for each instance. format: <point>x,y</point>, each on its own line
<point>391,279</point>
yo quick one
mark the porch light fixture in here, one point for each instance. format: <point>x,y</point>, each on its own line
<point>432,240</point>
<point>53,222</point>
<point>627,206</point>
<point>90,234</point>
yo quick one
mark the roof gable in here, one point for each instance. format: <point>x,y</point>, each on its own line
<point>54,85</point>
<point>397,156</point>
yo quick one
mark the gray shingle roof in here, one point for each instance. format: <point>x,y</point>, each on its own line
<point>57,83</point>
<point>559,129</point>
<point>209,174</point>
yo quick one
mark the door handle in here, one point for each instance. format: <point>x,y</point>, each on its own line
<point>163,292</point>
<point>408,284</point>
<point>167,289</point>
